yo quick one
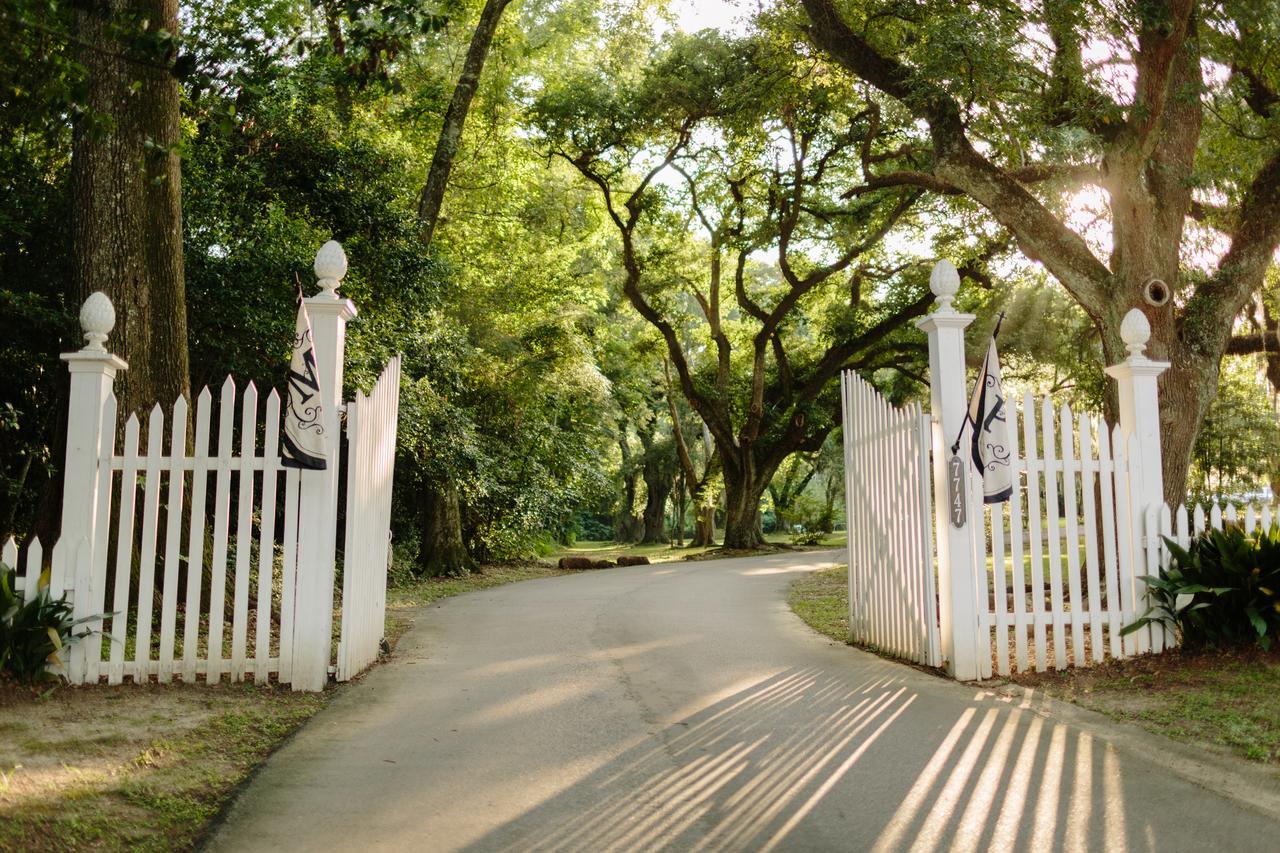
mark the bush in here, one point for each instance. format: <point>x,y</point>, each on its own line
<point>33,633</point>
<point>1223,590</point>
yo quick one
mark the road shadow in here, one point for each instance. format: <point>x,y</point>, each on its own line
<point>799,760</point>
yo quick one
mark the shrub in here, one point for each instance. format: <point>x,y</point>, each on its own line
<point>1222,590</point>
<point>32,634</point>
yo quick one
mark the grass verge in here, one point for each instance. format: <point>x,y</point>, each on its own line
<point>132,767</point>
<point>821,600</point>
<point>1227,702</point>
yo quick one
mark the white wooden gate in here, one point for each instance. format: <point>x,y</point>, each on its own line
<point>371,457</point>
<point>1059,564</point>
<point>892,599</point>
<point>1049,578</point>
<point>209,557</point>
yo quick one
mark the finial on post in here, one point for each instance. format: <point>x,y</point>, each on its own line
<point>1135,331</point>
<point>944,281</point>
<point>330,267</point>
<point>97,319</point>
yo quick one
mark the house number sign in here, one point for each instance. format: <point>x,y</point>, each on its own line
<point>956,490</point>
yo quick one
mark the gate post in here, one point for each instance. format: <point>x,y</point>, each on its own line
<point>1139,398</point>
<point>93,372</point>
<point>957,590</point>
<point>318,490</point>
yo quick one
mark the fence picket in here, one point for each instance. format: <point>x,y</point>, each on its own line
<point>1021,477</point>
<point>1054,529</point>
<point>287,573</point>
<point>1071,509</point>
<point>95,599</point>
<point>147,560</point>
<point>1037,543</point>
<point>1106,481</point>
<point>35,567</point>
<point>267,539</point>
<point>221,522</point>
<point>172,539</point>
<point>1088,478</point>
<point>195,538</point>
<point>244,530</point>
<point>119,633</point>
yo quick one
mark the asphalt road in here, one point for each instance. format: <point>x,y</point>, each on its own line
<point>684,707</point>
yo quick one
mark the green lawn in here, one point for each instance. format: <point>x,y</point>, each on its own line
<point>1230,700</point>
<point>667,553</point>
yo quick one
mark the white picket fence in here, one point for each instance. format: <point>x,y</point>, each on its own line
<point>207,556</point>
<point>1049,578</point>
<point>891,563</point>
<point>1064,555</point>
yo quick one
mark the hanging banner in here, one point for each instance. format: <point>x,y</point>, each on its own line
<point>990,447</point>
<point>304,439</point>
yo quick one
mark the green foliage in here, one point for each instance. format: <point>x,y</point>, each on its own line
<point>32,633</point>
<point>1223,590</point>
<point>1235,451</point>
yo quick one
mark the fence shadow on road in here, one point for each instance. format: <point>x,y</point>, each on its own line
<point>804,761</point>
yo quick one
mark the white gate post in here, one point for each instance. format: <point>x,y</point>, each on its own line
<point>1136,379</point>
<point>947,390</point>
<point>318,490</point>
<point>93,372</point>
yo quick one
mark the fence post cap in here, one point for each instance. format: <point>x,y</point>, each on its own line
<point>330,267</point>
<point>944,281</point>
<point>97,319</point>
<point>1135,331</point>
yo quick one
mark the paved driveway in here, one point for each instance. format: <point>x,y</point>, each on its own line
<point>683,707</point>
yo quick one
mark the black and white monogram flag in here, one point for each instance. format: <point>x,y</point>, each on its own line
<point>303,431</point>
<point>989,428</point>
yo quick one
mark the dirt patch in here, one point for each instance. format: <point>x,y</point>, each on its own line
<point>131,767</point>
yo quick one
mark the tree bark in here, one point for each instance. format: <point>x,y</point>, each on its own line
<point>432,196</point>
<point>127,198</point>
<point>744,486</point>
<point>658,477</point>
<point>440,547</point>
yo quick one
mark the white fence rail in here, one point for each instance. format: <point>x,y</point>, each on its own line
<point>892,598</point>
<point>191,539</point>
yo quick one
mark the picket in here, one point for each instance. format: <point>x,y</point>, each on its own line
<point>147,560</point>
<point>172,539</point>
<point>221,522</point>
<point>195,538</point>
<point>1089,469</point>
<point>1034,468</point>
<point>244,530</point>
<point>267,540</point>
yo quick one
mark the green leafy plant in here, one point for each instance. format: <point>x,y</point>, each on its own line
<point>1222,590</point>
<point>32,633</point>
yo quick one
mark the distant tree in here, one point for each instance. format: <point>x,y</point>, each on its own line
<point>747,142</point>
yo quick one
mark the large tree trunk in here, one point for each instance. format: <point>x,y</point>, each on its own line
<point>658,478</point>
<point>440,548</point>
<point>455,117</point>
<point>744,485</point>
<point>127,198</point>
